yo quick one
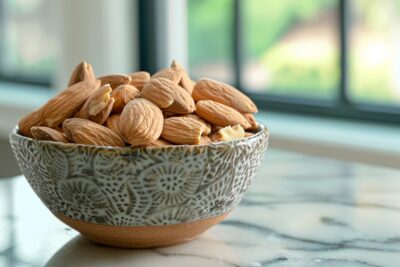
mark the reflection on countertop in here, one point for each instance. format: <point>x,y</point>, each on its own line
<point>301,211</point>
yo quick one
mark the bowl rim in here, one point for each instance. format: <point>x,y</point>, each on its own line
<point>262,130</point>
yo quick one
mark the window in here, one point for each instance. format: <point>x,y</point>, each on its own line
<point>327,57</point>
<point>27,43</point>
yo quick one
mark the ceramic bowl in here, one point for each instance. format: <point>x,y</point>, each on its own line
<point>140,197</point>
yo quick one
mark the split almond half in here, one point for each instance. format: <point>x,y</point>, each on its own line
<point>168,96</point>
<point>49,134</point>
<point>90,133</point>
<point>207,89</point>
<point>67,103</point>
<point>122,95</point>
<point>141,122</point>
<point>182,130</point>
<point>220,114</point>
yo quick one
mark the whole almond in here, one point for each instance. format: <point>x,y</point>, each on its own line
<point>206,125</point>
<point>182,130</point>
<point>168,96</point>
<point>83,131</point>
<point>159,143</point>
<point>82,72</point>
<point>220,114</point>
<point>122,95</point>
<point>207,89</point>
<point>139,78</point>
<point>67,103</point>
<point>250,118</point>
<point>113,123</point>
<point>27,122</point>
<point>141,122</point>
<point>96,102</point>
<point>177,75</point>
<point>115,80</point>
<point>50,134</point>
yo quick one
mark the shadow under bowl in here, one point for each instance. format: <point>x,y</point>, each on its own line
<point>140,197</point>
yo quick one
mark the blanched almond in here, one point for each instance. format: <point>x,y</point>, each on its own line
<point>83,131</point>
<point>206,125</point>
<point>168,96</point>
<point>46,133</point>
<point>115,80</point>
<point>27,122</point>
<point>67,103</point>
<point>82,72</point>
<point>220,114</point>
<point>139,78</point>
<point>122,95</point>
<point>141,122</point>
<point>207,89</point>
<point>182,130</point>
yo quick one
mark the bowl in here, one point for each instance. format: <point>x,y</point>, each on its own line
<point>140,197</point>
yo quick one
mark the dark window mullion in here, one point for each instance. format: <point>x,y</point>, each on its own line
<point>237,43</point>
<point>343,99</point>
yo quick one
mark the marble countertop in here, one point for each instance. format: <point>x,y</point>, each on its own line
<point>300,211</point>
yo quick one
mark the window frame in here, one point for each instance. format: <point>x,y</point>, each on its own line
<point>340,107</point>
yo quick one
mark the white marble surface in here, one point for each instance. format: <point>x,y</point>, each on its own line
<point>301,211</point>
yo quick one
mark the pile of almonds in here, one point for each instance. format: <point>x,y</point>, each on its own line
<point>167,108</point>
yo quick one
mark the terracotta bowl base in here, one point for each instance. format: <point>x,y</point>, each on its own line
<point>141,236</point>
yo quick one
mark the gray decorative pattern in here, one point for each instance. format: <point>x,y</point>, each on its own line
<point>140,186</point>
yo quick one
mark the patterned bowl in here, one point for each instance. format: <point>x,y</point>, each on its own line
<point>140,197</point>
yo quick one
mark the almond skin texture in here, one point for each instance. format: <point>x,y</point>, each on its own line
<point>206,125</point>
<point>168,96</point>
<point>205,140</point>
<point>82,72</point>
<point>250,118</point>
<point>113,123</point>
<point>159,143</point>
<point>141,122</point>
<point>96,102</point>
<point>67,103</point>
<point>177,75</point>
<point>139,78</point>
<point>27,122</point>
<point>46,133</point>
<point>207,89</point>
<point>115,80</point>
<point>122,95</point>
<point>220,114</point>
<point>86,132</point>
<point>182,130</point>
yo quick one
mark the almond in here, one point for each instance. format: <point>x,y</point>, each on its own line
<point>122,95</point>
<point>205,140</point>
<point>96,102</point>
<point>67,103</point>
<point>159,143</point>
<point>206,125</point>
<point>139,78</point>
<point>82,72</point>
<point>27,122</point>
<point>248,134</point>
<point>46,133</point>
<point>104,113</point>
<point>141,122</point>
<point>115,80</point>
<point>168,96</point>
<point>216,128</point>
<point>182,130</point>
<point>250,118</point>
<point>207,89</point>
<point>113,123</point>
<point>220,114</point>
<point>83,131</point>
<point>177,75</point>
<point>229,133</point>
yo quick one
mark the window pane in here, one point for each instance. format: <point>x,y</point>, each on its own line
<point>292,47</point>
<point>27,43</point>
<point>210,39</point>
<point>375,51</point>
